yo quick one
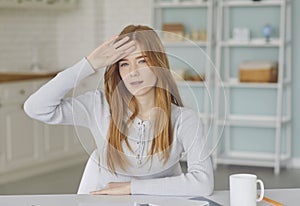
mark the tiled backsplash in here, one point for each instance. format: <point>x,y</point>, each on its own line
<point>38,4</point>
<point>119,14</point>
<point>62,37</point>
<point>20,32</point>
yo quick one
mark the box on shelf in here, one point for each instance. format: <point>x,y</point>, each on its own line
<point>241,34</point>
<point>178,73</point>
<point>173,31</point>
<point>183,74</point>
<point>258,71</point>
<point>193,76</point>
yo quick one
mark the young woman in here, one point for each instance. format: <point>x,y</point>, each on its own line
<point>139,123</point>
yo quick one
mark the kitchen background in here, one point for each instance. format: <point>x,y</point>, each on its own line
<point>54,39</point>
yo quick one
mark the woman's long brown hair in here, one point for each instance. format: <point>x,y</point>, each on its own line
<point>120,99</point>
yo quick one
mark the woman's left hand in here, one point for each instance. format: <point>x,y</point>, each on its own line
<point>114,188</point>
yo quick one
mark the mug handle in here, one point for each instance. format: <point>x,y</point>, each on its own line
<point>262,190</point>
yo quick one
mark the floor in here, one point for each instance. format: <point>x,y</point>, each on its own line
<point>66,181</point>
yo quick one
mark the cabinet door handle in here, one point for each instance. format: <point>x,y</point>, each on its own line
<point>22,91</point>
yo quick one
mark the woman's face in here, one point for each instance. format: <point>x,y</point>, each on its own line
<point>136,74</point>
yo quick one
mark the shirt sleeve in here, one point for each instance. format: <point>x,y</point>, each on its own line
<point>198,181</point>
<point>48,104</point>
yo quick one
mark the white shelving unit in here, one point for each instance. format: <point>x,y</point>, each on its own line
<point>159,7</point>
<point>280,122</point>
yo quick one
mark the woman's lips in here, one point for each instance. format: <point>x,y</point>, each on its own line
<point>136,83</point>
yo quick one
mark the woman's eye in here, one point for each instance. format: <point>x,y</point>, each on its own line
<point>123,64</point>
<point>142,61</point>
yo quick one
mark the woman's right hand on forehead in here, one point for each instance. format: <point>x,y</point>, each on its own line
<point>110,52</point>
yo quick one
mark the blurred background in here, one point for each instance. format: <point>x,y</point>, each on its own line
<point>249,50</point>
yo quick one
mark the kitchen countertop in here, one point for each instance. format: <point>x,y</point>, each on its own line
<point>9,76</point>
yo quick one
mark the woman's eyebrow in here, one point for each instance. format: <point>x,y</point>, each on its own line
<point>142,56</point>
<point>138,57</point>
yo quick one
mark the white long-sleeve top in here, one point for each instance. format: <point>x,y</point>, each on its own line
<point>147,176</point>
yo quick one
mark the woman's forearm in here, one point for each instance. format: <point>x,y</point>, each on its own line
<point>196,183</point>
<point>45,102</point>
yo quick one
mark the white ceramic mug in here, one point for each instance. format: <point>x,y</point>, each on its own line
<point>243,190</point>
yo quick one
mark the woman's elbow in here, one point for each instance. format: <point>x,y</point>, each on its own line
<point>203,190</point>
<point>199,191</point>
<point>209,190</point>
<point>204,186</point>
<point>210,185</point>
<point>29,108</point>
<point>34,111</point>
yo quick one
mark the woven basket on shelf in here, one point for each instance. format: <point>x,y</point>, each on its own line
<point>258,71</point>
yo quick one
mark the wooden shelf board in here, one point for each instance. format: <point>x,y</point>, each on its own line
<point>9,76</point>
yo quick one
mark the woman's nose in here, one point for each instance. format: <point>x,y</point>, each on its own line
<point>134,70</point>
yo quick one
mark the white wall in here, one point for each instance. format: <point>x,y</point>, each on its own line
<point>63,37</point>
<point>118,14</point>
<point>76,33</point>
<point>20,30</point>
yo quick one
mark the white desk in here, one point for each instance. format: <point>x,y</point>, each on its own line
<point>288,197</point>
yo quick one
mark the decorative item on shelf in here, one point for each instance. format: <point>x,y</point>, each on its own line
<point>241,34</point>
<point>258,71</point>
<point>187,36</point>
<point>195,35</point>
<point>173,31</point>
<point>267,31</point>
<point>178,73</point>
<point>184,74</point>
<point>190,75</point>
<point>51,1</point>
<point>203,35</point>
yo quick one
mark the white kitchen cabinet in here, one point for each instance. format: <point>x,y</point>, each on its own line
<point>54,140</point>
<point>2,144</point>
<point>27,146</point>
<point>18,132</point>
<point>20,138</point>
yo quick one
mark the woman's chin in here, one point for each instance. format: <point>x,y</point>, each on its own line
<point>141,92</point>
